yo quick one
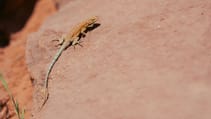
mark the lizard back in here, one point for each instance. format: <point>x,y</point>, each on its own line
<point>75,32</point>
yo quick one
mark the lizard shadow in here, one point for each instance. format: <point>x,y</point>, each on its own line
<point>95,25</point>
<point>86,31</point>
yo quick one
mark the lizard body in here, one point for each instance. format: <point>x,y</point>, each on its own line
<point>71,39</point>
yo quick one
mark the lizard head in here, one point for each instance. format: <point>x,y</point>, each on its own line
<point>93,19</point>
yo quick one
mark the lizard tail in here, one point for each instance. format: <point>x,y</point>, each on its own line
<point>58,54</point>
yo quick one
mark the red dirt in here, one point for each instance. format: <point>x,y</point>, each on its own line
<point>12,58</point>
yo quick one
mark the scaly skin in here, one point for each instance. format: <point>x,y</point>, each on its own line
<point>70,39</point>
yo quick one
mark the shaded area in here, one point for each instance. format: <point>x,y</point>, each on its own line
<point>4,39</point>
<point>12,58</point>
<point>13,16</point>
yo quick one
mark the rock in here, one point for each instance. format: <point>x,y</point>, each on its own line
<point>148,59</point>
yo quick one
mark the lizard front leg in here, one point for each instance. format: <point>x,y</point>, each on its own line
<point>83,32</point>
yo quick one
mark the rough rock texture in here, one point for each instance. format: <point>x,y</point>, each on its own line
<point>147,60</point>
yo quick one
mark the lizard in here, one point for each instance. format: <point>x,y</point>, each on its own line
<point>70,39</point>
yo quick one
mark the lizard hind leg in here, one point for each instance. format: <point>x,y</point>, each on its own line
<point>60,40</point>
<point>79,43</point>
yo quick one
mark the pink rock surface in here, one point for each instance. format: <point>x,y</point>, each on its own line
<point>147,60</point>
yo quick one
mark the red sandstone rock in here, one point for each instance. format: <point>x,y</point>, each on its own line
<point>148,59</point>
